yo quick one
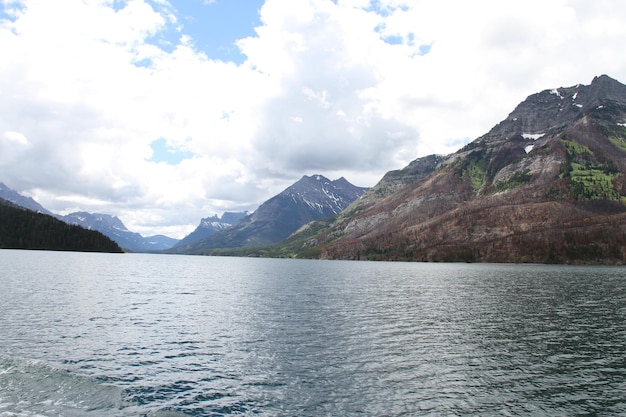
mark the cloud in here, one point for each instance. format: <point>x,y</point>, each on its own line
<point>321,117</point>
<point>345,87</point>
<point>15,137</point>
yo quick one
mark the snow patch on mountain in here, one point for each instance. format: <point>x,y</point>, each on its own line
<point>532,136</point>
<point>556,93</point>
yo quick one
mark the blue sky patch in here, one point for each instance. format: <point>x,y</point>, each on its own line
<point>425,49</point>
<point>394,39</point>
<point>163,152</point>
<point>9,11</point>
<point>216,25</point>
<point>385,10</point>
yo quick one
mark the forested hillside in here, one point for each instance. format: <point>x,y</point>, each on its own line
<point>25,229</point>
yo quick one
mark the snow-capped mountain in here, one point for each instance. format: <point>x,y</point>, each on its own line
<point>113,227</point>
<point>311,198</point>
<point>322,195</point>
<point>211,225</point>
<point>95,221</point>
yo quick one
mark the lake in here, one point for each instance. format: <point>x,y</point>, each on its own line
<point>87,334</point>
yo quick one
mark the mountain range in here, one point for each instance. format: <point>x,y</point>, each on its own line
<point>311,198</point>
<point>25,228</point>
<point>547,184</point>
<point>113,227</point>
<point>108,225</point>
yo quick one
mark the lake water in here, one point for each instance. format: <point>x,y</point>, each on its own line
<point>156,335</point>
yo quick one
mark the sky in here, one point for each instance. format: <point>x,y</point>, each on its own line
<point>162,112</point>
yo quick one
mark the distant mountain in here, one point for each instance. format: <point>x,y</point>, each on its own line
<point>16,198</point>
<point>211,225</point>
<point>159,242</point>
<point>113,227</point>
<point>108,225</point>
<point>311,198</point>
<point>22,228</point>
<point>547,184</point>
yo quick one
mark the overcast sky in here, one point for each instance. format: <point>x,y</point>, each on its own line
<point>163,112</point>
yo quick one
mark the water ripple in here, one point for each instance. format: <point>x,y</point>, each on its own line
<point>194,336</point>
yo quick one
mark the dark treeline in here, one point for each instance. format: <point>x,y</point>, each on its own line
<point>25,229</point>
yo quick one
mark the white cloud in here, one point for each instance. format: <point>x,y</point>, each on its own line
<point>15,137</point>
<point>344,87</point>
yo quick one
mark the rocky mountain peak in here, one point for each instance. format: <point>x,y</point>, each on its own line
<point>227,219</point>
<point>210,225</point>
<point>321,194</point>
<point>552,109</point>
<point>312,197</point>
<point>92,220</point>
<point>604,87</point>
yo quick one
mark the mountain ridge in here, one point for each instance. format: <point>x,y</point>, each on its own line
<point>113,227</point>
<point>547,185</point>
<point>110,226</point>
<point>16,198</point>
<point>544,185</point>
<point>310,198</point>
<point>23,228</point>
<point>211,225</point>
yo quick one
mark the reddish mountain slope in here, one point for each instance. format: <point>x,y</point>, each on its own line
<point>547,184</point>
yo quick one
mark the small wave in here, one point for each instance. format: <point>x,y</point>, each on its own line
<point>30,388</point>
<point>167,413</point>
<point>33,388</point>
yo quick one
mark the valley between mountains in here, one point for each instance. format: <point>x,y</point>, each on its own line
<point>545,185</point>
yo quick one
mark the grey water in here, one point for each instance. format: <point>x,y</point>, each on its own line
<point>85,334</point>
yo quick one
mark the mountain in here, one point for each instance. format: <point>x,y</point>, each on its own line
<point>211,225</point>
<point>22,228</point>
<point>547,184</point>
<point>394,181</point>
<point>16,198</point>
<point>110,226</point>
<point>311,198</point>
<point>113,227</point>
<point>159,242</point>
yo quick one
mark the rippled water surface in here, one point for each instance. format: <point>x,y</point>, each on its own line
<point>157,335</point>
